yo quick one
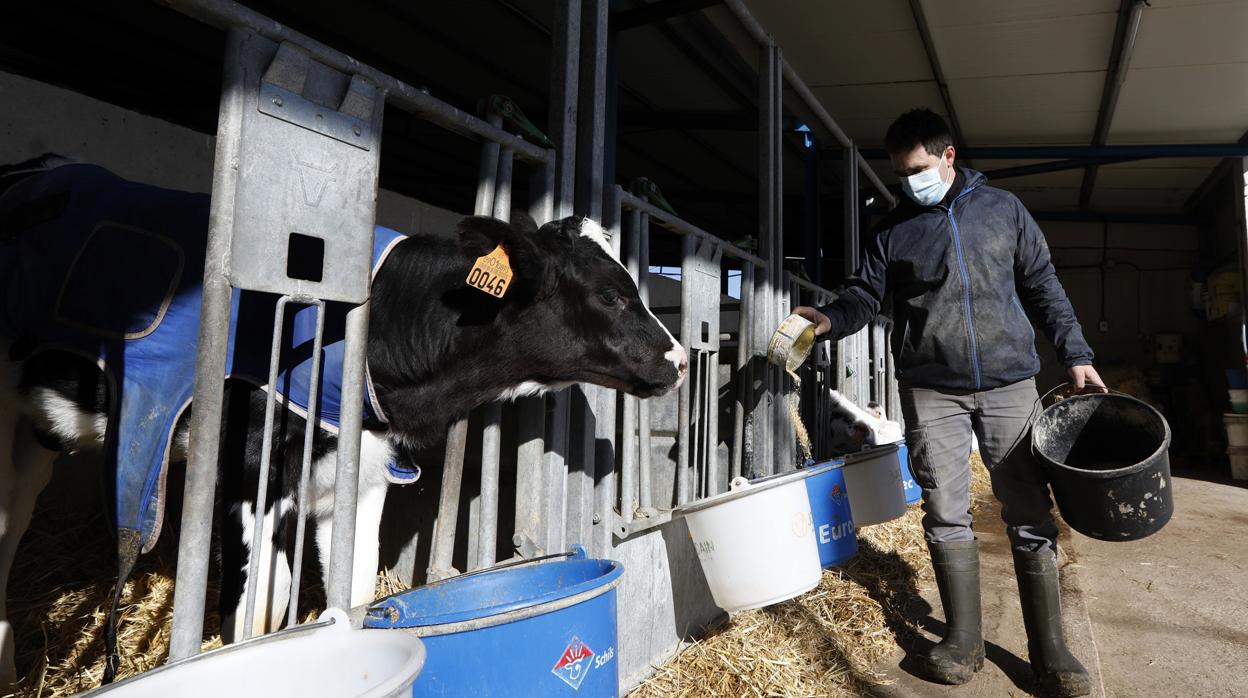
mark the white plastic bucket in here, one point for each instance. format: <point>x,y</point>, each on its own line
<point>1236,429</point>
<point>328,659</point>
<point>873,482</point>
<point>756,543</point>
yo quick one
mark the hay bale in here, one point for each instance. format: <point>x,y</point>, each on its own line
<point>829,641</point>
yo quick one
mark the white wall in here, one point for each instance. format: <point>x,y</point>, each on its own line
<point>36,118</point>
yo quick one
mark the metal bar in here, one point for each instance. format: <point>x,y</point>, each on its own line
<point>656,12</point>
<point>491,434</point>
<point>744,387</point>
<point>645,481</point>
<point>1051,152</point>
<point>1239,190</point>
<point>933,61</point>
<point>813,288</point>
<point>529,539</point>
<point>628,469</point>
<point>764,39</point>
<point>305,466</point>
<point>201,470</point>
<point>226,14</point>
<point>1128,26</point>
<point>1054,166</point>
<point>851,211</point>
<point>441,558</point>
<point>606,454</point>
<point>681,227</point>
<point>347,480</point>
<point>266,453</point>
<point>564,89</point>
<point>1116,217</point>
<point>685,448</point>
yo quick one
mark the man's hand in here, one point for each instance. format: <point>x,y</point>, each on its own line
<point>1087,376</point>
<point>822,323</point>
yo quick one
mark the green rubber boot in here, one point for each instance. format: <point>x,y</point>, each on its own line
<point>961,653</point>
<point>1058,673</point>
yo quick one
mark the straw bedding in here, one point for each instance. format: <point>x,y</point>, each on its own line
<point>829,641</point>
<point>826,643</point>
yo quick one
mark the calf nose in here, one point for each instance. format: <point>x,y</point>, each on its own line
<point>680,359</point>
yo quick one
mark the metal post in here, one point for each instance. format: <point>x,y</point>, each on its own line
<point>1240,204</point>
<point>347,482</point>
<point>768,422</point>
<point>628,471</point>
<point>605,415</point>
<point>529,538</point>
<point>201,469</point>
<point>645,481</point>
<point>266,457</point>
<point>491,436</point>
<point>564,90</point>
<point>745,387</point>
<point>305,472</point>
<point>685,449</point>
<point>441,558</point>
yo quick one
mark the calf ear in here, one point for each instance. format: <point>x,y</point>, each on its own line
<point>479,235</point>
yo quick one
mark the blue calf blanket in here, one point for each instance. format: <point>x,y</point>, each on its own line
<point>111,270</point>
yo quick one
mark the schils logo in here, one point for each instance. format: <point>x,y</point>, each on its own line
<point>575,663</point>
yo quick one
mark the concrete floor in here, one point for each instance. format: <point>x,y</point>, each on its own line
<point>1161,617</point>
<point>1170,612</point>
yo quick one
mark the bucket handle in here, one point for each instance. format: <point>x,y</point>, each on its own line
<point>1059,386</point>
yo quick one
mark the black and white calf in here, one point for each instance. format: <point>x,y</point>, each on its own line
<point>437,348</point>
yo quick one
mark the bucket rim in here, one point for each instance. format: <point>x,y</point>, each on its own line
<point>389,612</point>
<point>866,454</point>
<point>397,685</point>
<point>1105,474</point>
<point>755,486</point>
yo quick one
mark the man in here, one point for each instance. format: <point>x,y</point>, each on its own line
<point>968,271</point>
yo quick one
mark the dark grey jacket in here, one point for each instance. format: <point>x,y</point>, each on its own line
<point>967,277</point>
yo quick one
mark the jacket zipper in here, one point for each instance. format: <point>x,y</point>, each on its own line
<point>966,289</point>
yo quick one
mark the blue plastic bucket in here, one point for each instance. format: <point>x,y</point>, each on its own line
<point>913,492</point>
<point>829,509</point>
<point>533,629</point>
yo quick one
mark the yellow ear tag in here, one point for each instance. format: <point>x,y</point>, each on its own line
<point>491,273</point>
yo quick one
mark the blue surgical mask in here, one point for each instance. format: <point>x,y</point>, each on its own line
<point>926,188</point>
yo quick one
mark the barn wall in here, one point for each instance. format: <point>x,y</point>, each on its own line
<point>36,118</point>
<point>1146,292</point>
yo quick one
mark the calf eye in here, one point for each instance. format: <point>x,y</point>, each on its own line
<point>611,297</point>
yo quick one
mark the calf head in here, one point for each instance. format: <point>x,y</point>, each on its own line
<point>576,316</point>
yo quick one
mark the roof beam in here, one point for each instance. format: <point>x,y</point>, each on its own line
<point>656,12</point>
<point>1129,14</point>
<point>920,20</point>
<point>1046,152</point>
<point>1199,192</point>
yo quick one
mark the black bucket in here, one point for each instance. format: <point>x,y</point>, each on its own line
<point>1106,457</point>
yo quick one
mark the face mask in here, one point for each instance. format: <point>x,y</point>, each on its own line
<point>926,188</point>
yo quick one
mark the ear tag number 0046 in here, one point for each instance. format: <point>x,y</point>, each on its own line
<point>491,273</point>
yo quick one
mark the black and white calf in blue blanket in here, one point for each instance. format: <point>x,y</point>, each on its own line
<point>437,348</point>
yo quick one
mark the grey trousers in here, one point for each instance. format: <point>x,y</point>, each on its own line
<point>938,433</point>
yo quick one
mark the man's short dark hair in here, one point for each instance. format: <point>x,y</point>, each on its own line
<point>917,127</point>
